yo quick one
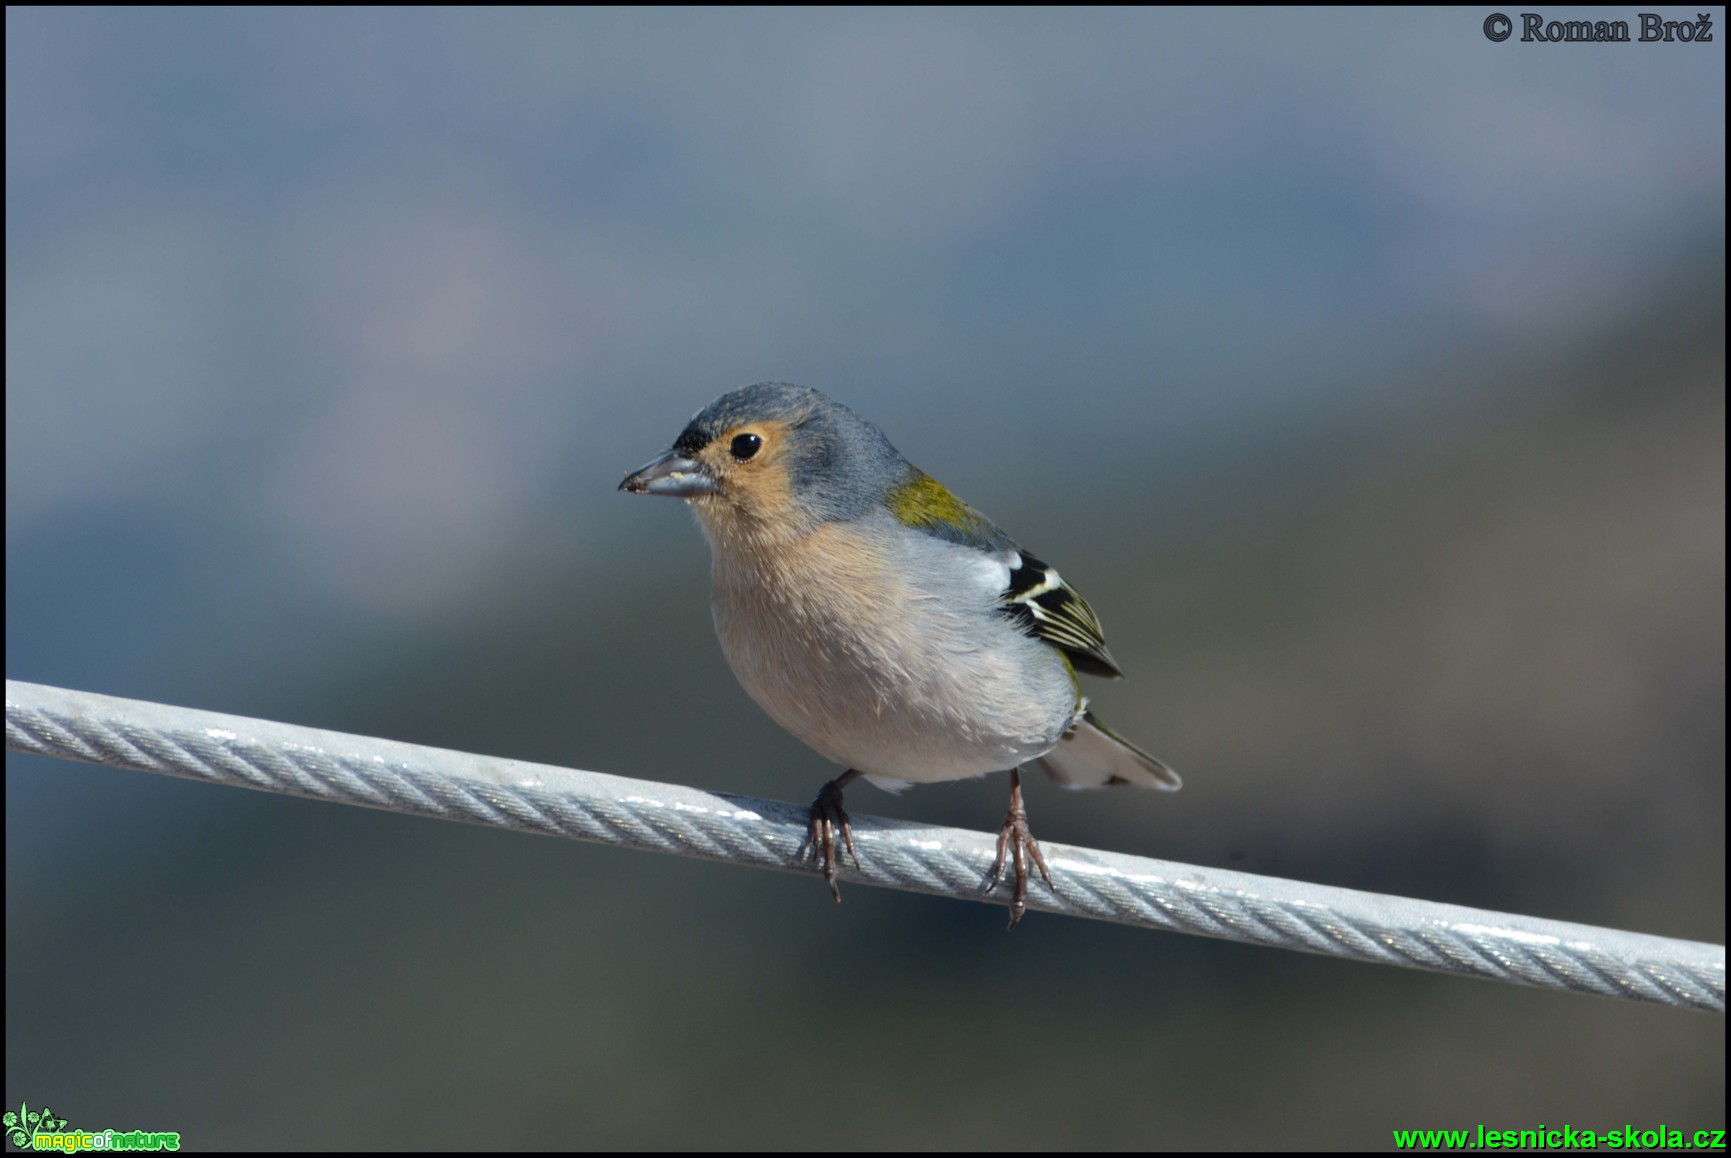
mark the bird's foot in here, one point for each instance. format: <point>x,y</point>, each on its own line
<point>1018,842</point>
<point>828,821</point>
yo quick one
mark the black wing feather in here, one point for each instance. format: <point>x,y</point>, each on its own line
<point>1048,608</point>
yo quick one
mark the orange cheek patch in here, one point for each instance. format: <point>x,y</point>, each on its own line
<point>762,486</point>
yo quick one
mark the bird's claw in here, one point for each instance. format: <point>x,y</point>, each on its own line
<point>828,818</point>
<point>1015,840</point>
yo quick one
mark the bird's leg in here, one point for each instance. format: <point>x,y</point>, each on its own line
<point>1015,838</point>
<point>827,817</point>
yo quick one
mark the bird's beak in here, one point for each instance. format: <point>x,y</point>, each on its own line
<point>669,474</point>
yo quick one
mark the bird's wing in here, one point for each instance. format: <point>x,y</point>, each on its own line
<point>1034,595</point>
<point>1050,609</point>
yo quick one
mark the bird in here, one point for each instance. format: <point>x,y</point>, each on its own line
<point>885,623</point>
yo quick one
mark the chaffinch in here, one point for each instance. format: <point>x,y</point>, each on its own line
<point>885,622</point>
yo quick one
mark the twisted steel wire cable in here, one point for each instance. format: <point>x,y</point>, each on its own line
<point>595,806</point>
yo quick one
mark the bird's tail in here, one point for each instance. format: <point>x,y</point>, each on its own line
<point>1091,755</point>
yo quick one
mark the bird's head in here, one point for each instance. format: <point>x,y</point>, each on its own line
<point>772,462</point>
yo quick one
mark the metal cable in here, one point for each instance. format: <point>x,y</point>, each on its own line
<point>223,749</point>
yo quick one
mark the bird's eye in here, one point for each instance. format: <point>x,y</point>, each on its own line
<point>744,446</point>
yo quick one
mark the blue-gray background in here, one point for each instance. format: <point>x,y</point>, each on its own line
<point>1367,375</point>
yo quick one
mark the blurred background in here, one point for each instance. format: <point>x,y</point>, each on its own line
<point>1367,375</point>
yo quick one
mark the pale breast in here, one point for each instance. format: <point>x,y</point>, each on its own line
<point>899,666</point>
